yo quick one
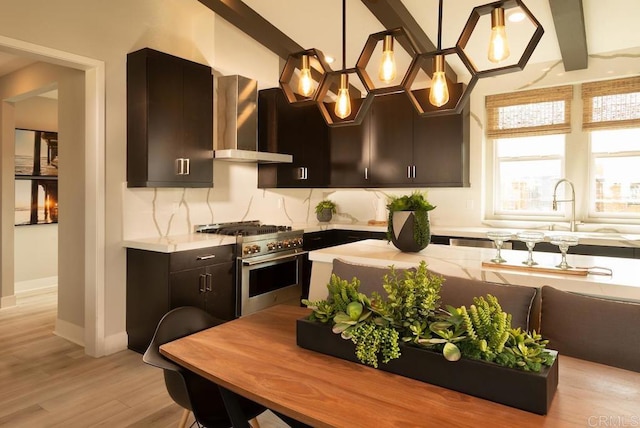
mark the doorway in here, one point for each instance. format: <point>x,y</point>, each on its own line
<point>92,186</point>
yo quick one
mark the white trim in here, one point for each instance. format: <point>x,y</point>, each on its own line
<point>116,343</point>
<point>93,334</point>
<point>37,284</point>
<point>69,331</point>
<point>7,301</point>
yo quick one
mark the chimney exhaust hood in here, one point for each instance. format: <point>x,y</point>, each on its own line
<point>236,122</point>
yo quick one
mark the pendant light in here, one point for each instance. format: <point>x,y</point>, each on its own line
<point>439,93</point>
<point>343,102</point>
<point>388,69</point>
<point>498,44</point>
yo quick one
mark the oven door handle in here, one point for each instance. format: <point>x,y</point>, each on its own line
<point>273,259</point>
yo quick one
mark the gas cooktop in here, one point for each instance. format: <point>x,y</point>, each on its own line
<point>242,228</point>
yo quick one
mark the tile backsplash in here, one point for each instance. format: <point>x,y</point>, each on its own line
<point>157,212</point>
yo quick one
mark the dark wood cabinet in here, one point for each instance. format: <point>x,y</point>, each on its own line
<point>392,147</point>
<point>350,153</point>
<point>158,282</point>
<point>296,130</point>
<point>441,150</point>
<point>169,121</point>
<point>391,141</point>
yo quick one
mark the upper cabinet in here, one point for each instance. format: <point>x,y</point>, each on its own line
<point>169,121</point>
<point>296,130</point>
<point>393,147</point>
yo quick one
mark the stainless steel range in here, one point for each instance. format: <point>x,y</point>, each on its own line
<point>269,268</point>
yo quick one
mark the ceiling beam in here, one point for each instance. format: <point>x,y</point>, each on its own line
<point>568,19</point>
<point>393,14</point>
<point>253,24</point>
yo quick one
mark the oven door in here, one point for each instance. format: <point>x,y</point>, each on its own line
<point>269,280</point>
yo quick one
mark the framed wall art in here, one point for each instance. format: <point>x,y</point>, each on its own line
<point>36,177</point>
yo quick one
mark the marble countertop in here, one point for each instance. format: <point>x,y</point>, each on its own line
<point>193,241</point>
<point>467,262</point>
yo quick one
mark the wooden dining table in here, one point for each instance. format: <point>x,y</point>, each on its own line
<point>256,356</point>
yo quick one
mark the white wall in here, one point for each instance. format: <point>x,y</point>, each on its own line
<point>36,246</point>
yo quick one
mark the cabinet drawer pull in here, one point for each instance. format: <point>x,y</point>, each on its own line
<point>207,257</point>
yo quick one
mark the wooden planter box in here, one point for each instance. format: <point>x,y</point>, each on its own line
<point>516,388</point>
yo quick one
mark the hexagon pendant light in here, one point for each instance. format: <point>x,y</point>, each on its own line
<point>398,67</point>
<point>340,102</point>
<point>302,76</point>
<point>388,73</point>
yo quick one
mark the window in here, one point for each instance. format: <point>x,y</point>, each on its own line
<point>528,149</point>
<point>611,112</point>
<point>615,173</point>
<point>526,170</point>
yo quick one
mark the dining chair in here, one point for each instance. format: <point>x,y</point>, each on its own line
<point>189,390</point>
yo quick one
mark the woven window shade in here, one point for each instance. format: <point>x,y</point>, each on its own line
<point>536,112</point>
<point>611,104</point>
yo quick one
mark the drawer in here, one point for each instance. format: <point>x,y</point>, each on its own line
<point>190,259</point>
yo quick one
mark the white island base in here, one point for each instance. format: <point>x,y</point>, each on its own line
<point>466,262</point>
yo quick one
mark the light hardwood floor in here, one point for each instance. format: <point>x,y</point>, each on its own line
<point>47,381</point>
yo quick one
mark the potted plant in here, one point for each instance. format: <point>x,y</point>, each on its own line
<point>408,224</point>
<point>325,210</point>
<point>472,350</point>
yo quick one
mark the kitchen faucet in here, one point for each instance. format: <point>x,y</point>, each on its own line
<point>554,203</point>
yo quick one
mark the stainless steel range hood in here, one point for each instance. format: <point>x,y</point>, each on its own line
<point>236,122</point>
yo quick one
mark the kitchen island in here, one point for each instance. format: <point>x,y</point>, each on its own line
<point>466,262</point>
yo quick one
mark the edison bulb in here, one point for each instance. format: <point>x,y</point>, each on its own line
<point>439,94</point>
<point>343,103</point>
<point>498,44</point>
<point>305,82</point>
<point>388,69</point>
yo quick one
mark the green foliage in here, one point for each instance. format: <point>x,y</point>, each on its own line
<point>489,336</point>
<point>326,205</point>
<point>410,313</point>
<point>351,315</point>
<point>410,302</point>
<point>416,202</point>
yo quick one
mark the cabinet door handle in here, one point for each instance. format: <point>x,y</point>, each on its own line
<point>187,166</point>
<point>178,166</point>
<point>366,173</point>
<point>207,257</point>
<point>413,168</point>
<point>408,171</point>
<point>201,283</point>
<point>208,281</point>
<point>302,173</point>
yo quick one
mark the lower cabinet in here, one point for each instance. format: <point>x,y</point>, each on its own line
<point>158,282</point>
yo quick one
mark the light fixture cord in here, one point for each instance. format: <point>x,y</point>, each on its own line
<point>344,34</point>
<point>440,25</point>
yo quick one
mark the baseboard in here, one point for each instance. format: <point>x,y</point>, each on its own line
<point>116,343</point>
<point>7,301</point>
<point>36,284</point>
<point>69,331</point>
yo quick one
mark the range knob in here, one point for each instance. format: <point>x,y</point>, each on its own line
<point>286,243</point>
<point>271,246</point>
<point>279,244</point>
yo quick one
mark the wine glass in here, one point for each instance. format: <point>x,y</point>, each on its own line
<point>564,242</point>
<point>530,238</point>
<point>498,237</point>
